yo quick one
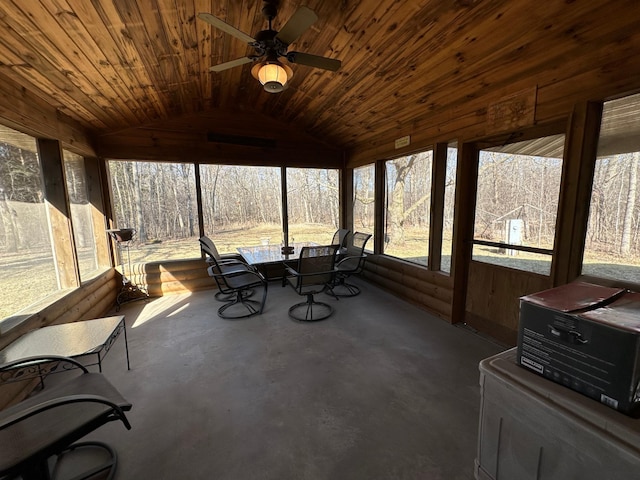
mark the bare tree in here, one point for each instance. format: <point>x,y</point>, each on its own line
<point>625,241</point>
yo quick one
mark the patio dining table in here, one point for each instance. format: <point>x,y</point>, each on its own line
<point>269,259</point>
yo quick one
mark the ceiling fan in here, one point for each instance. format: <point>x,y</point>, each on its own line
<point>270,45</point>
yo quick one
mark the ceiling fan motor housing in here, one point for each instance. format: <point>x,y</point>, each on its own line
<point>269,10</point>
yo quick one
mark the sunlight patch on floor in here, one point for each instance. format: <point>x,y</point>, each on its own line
<point>162,307</point>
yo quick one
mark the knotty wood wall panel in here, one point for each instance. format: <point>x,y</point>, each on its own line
<point>563,74</point>
<point>120,61</point>
<point>118,64</point>
<point>185,139</point>
<point>489,306</point>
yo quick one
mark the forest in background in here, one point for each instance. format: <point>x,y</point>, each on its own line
<point>159,200</point>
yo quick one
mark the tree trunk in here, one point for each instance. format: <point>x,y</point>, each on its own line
<point>395,206</point>
<point>137,195</point>
<point>8,224</point>
<point>627,226</point>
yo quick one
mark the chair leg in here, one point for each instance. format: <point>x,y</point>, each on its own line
<point>251,307</point>
<point>343,289</point>
<point>305,312</point>
<point>227,297</point>
<point>109,465</point>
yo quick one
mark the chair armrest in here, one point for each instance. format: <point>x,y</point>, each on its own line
<point>352,259</point>
<point>60,401</point>
<point>234,273</point>
<point>232,262</point>
<point>310,274</point>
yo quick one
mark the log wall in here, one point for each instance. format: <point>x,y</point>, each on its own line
<point>172,276</point>
<point>411,282</point>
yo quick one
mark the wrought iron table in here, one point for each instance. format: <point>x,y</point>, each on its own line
<point>86,341</point>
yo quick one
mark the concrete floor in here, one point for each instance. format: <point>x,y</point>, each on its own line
<point>380,390</point>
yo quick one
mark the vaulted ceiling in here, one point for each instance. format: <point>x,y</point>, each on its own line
<point>115,64</point>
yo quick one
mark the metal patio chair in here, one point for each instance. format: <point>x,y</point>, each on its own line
<point>351,263</point>
<point>236,284</point>
<point>340,237</point>
<point>227,262</point>
<point>50,422</point>
<point>313,274</point>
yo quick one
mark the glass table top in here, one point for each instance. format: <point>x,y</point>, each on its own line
<point>271,253</point>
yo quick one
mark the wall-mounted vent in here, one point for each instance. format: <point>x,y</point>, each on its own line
<point>241,140</point>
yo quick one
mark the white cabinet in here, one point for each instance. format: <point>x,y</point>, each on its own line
<point>532,428</point>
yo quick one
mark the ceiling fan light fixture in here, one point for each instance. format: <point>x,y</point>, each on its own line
<point>273,75</point>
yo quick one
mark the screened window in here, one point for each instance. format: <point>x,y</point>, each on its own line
<point>158,200</point>
<point>408,205</point>
<point>81,214</point>
<point>313,199</point>
<point>364,201</point>
<point>242,205</point>
<point>449,203</point>
<point>612,248</point>
<point>517,203</point>
<point>26,254</point>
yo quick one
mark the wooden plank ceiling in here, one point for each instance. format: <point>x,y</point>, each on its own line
<point>116,64</point>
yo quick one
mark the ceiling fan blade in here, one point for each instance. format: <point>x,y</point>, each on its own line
<point>225,27</point>
<point>233,63</point>
<point>297,24</point>
<point>314,61</point>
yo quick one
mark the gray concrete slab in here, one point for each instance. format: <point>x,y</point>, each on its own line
<point>380,390</point>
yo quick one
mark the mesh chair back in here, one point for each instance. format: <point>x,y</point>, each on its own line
<point>340,237</point>
<point>208,247</point>
<point>354,258</point>
<point>317,259</point>
<point>358,241</point>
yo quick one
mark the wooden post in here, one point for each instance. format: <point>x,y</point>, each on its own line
<point>199,203</point>
<point>465,205</point>
<point>438,180</point>
<point>99,219</point>
<point>379,210</point>
<point>285,205</point>
<point>58,213</point>
<point>346,203</point>
<point>575,191</point>
<point>107,201</point>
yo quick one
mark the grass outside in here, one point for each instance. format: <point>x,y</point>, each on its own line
<point>30,277</point>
